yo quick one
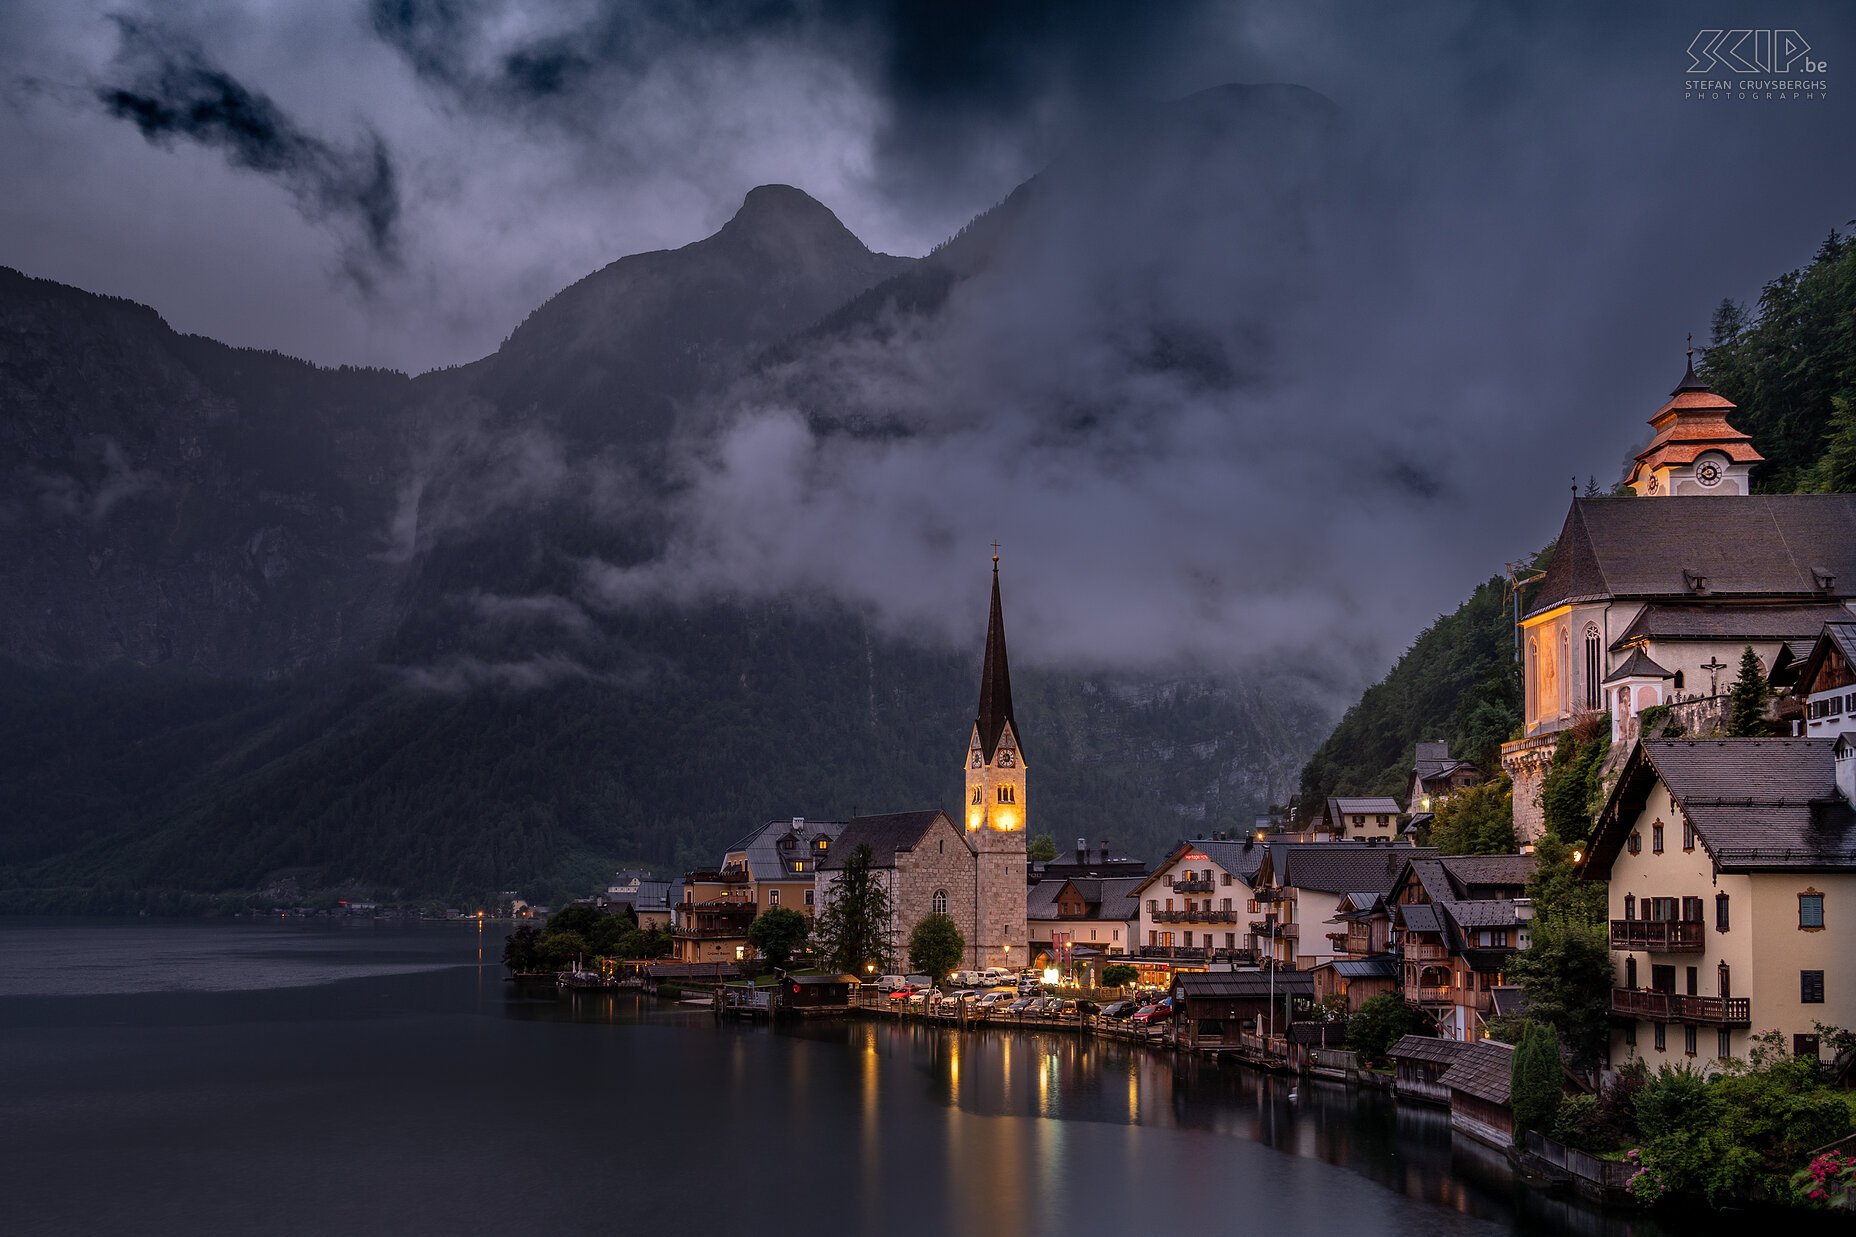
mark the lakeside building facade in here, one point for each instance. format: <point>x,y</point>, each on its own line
<point>1192,909</point>
<point>1459,919</point>
<point>1732,870</point>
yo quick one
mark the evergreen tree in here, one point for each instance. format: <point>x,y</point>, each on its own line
<point>1835,470</point>
<point>1042,849</point>
<point>1534,1087</point>
<point>1746,709</point>
<point>852,932</point>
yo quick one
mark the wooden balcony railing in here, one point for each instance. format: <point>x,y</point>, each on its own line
<point>1427,953</point>
<point>1731,1011</point>
<point>1196,885</point>
<point>1660,935</point>
<point>1195,916</point>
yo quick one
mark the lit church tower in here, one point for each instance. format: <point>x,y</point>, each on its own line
<point>1695,452</point>
<point>995,808</point>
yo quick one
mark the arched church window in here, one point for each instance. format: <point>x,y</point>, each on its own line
<point>1533,678</point>
<point>1005,795</point>
<point>1593,666</point>
<point>1563,698</point>
<point>978,796</point>
<point>940,901</point>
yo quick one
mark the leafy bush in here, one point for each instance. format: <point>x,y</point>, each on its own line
<point>1119,975</point>
<point>1382,1021</point>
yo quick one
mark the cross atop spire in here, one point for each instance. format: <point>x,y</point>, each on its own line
<point>995,676</point>
<point>1689,381</point>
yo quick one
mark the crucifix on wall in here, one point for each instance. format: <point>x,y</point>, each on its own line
<point>1714,666</point>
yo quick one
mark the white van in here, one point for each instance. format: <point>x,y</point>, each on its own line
<point>998,975</point>
<point>890,983</point>
<point>966,979</point>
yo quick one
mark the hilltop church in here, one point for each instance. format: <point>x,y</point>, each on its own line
<point>1650,600</point>
<point>973,871</point>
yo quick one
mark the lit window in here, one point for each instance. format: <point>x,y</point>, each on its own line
<point>773,897</point>
<point>978,796</point>
<point>1811,910</point>
<point>799,865</point>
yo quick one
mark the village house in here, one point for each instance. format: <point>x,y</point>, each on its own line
<point>1192,906</point>
<point>1084,861</point>
<point>1299,886</point>
<point>774,866</point>
<point>1732,870</point>
<point>1651,603</point>
<point>1436,775</point>
<point>1076,922</point>
<point>1368,818</point>
<point>1827,682</point>
<point>1363,966</point>
<point>1459,919</point>
<point>644,897</point>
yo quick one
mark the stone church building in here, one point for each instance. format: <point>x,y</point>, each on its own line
<point>973,871</point>
<point>1650,600</point>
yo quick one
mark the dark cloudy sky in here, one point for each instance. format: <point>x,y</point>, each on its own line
<point>1542,217</point>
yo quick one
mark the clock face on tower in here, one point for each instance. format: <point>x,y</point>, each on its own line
<point>978,761</point>
<point>1006,759</point>
<point>1708,472</point>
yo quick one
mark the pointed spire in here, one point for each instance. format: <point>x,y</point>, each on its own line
<point>995,675</point>
<point>1689,381</point>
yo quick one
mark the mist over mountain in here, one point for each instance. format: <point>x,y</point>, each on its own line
<point>703,542</point>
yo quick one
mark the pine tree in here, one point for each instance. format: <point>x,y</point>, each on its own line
<point>1746,708</point>
<point>1534,1086</point>
<point>852,932</point>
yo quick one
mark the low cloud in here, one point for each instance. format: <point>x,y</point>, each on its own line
<point>105,480</point>
<point>163,83</point>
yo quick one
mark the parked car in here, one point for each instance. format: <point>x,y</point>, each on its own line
<point>1158,1012</point>
<point>928,997</point>
<point>967,979</point>
<point>998,975</point>
<point>1083,1009</point>
<point>990,1001</point>
<point>901,994</point>
<point>1022,1004</point>
<point>918,981</point>
<point>889,983</point>
<point>1115,1011</point>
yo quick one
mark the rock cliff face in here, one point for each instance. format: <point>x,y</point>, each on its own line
<point>264,622</point>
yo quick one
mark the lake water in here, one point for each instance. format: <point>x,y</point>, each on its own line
<point>290,1077</point>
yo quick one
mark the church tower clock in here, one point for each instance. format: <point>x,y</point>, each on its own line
<point>995,807</point>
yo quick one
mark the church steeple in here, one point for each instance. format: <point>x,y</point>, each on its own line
<point>995,765</point>
<point>1695,451</point>
<point>995,678</point>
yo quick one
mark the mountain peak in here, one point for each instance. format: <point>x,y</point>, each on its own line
<point>780,216</point>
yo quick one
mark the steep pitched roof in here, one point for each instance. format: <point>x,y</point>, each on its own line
<point>1637,666</point>
<point>1475,874</point>
<point>995,679</point>
<point>1756,804</point>
<point>1482,1069</point>
<point>884,835</point>
<point>1760,545</point>
<point>1105,897</point>
<point>1840,636</point>
<point>1241,859</point>
<point>1797,623</point>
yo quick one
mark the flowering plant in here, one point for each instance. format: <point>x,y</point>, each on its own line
<point>1829,1178</point>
